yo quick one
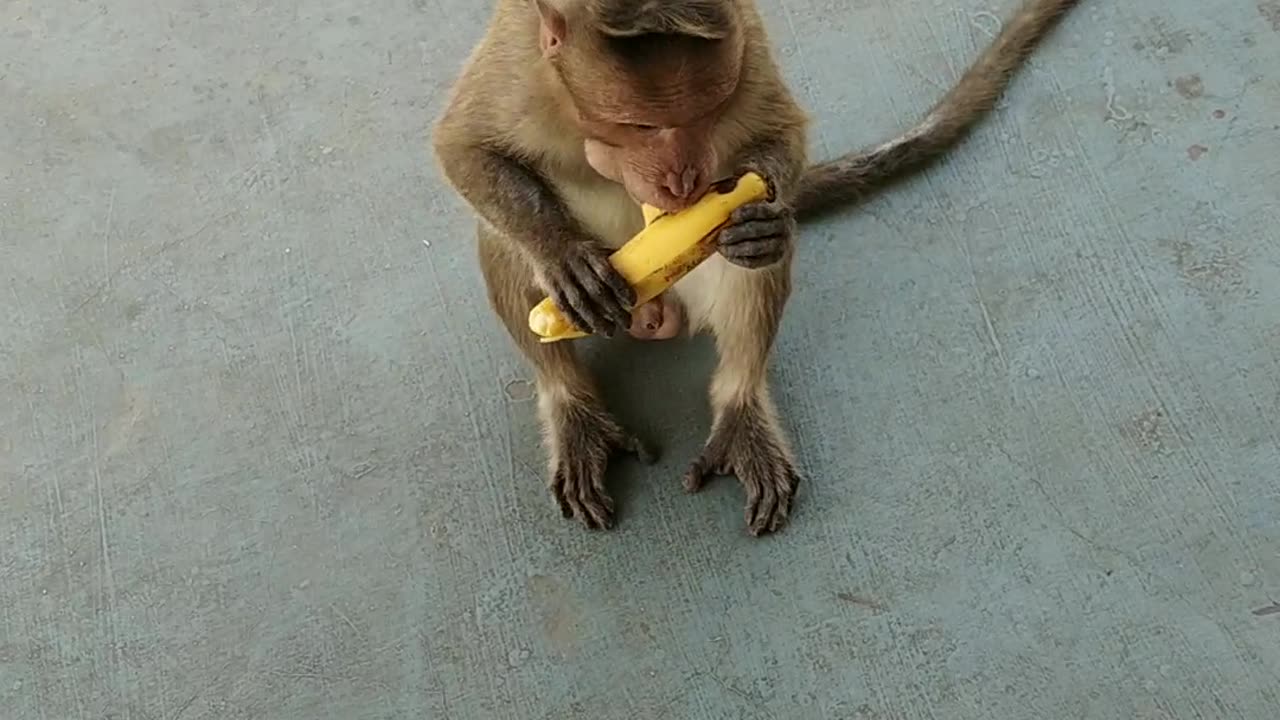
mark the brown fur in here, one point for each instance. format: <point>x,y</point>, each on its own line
<point>546,137</point>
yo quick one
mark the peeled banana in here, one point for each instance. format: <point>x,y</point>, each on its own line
<point>666,250</point>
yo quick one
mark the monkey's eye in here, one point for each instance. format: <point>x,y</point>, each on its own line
<point>641,126</point>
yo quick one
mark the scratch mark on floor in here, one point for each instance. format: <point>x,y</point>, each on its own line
<point>1272,609</point>
<point>1115,111</point>
<point>106,237</point>
<point>992,336</point>
<point>862,601</point>
<point>183,707</point>
<point>338,611</point>
<point>755,702</point>
<point>99,495</point>
<point>163,248</point>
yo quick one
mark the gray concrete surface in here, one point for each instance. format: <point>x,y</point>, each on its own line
<point>265,454</point>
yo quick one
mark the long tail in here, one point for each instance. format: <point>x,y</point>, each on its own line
<point>849,178</point>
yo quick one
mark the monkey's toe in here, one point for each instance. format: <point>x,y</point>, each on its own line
<point>587,437</point>
<point>747,445</point>
<point>583,498</point>
<point>696,476</point>
<point>642,451</point>
<point>769,499</point>
<point>710,463</point>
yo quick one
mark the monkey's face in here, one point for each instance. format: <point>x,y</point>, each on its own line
<point>648,103</point>
<point>663,161</point>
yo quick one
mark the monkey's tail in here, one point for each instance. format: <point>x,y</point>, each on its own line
<point>835,183</point>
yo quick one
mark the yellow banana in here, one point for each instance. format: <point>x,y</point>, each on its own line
<point>669,246</point>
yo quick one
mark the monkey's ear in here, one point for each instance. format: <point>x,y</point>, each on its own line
<point>554,28</point>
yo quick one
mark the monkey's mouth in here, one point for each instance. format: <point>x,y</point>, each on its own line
<point>665,201</point>
<point>668,204</point>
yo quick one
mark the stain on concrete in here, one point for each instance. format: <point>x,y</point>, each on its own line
<point>1270,11</point>
<point>1217,269</point>
<point>557,610</point>
<point>1146,430</point>
<point>119,431</point>
<point>518,390</point>
<point>1168,40</point>
<point>1195,152</point>
<point>1189,86</point>
<point>1219,114</point>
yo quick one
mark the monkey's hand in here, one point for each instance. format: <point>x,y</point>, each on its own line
<point>586,288</point>
<point>583,437</point>
<point>746,442</point>
<point>758,234</point>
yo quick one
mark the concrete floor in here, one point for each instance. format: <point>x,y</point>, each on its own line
<point>264,453</point>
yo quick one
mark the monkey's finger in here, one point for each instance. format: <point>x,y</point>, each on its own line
<point>557,491</point>
<point>789,495</point>
<point>756,263</point>
<point>633,445</point>
<point>755,254</point>
<point>595,506</point>
<point>753,248</point>
<point>560,298</point>
<point>597,510</point>
<point>615,295</point>
<point>586,491</point>
<point>592,319</point>
<point>621,288</point>
<point>604,305</point>
<point>752,231</point>
<point>756,211</point>
<point>755,496</point>
<point>786,494</point>
<point>696,476</point>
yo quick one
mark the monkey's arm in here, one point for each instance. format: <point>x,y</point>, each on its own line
<point>760,234</point>
<point>571,265</point>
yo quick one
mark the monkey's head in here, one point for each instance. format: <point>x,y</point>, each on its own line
<point>648,81</point>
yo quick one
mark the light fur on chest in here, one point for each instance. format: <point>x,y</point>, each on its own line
<point>604,208</point>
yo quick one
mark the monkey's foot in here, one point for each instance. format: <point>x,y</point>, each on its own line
<point>659,319</point>
<point>584,440</point>
<point>747,444</point>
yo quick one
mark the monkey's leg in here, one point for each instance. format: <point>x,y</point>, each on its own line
<point>743,309</point>
<point>579,433</point>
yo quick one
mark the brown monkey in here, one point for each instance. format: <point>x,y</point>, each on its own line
<point>569,113</point>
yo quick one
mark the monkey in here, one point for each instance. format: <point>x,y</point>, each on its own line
<point>568,114</point>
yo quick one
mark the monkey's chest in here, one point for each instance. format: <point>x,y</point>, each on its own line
<point>604,208</point>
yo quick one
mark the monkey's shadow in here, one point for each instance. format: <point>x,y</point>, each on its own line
<point>657,390</point>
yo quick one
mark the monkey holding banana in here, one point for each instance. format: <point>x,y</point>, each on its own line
<point>569,113</point>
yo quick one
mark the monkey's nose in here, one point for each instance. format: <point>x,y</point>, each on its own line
<point>682,185</point>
